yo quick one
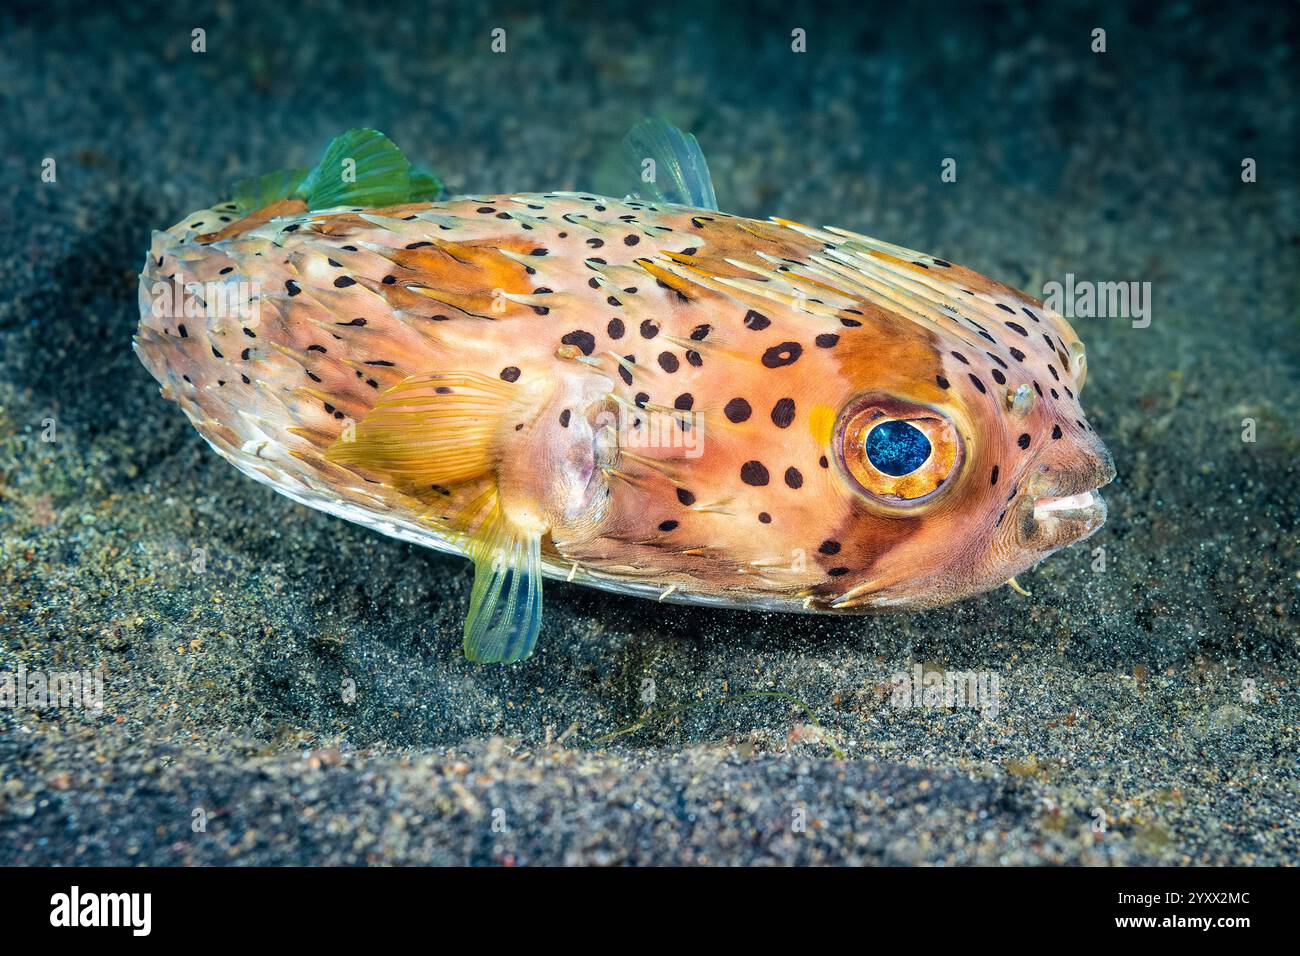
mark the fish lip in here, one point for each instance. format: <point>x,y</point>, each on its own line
<point>1083,505</point>
<point>1057,520</point>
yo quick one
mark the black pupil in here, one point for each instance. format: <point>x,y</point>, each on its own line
<point>897,448</point>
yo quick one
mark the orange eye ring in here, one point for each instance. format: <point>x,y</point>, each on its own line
<point>915,485</point>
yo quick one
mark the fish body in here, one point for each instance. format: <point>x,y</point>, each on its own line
<point>632,394</point>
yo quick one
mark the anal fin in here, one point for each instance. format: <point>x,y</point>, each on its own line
<point>505,608</point>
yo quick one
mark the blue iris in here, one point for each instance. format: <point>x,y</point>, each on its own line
<point>897,448</point>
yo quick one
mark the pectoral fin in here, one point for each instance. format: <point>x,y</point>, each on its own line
<point>437,429</point>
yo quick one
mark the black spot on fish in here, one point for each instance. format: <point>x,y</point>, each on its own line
<point>826,340</point>
<point>737,411</point>
<point>783,413</point>
<point>787,353</point>
<point>756,321</point>
<point>754,473</point>
<point>793,478</point>
<point>582,339</point>
<point>615,329</point>
<point>510,374</point>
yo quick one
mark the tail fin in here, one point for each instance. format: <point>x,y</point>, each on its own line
<point>362,167</point>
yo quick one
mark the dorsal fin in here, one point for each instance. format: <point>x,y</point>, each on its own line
<point>660,163</point>
<point>362,167</point>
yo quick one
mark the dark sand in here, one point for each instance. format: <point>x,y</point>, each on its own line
<point>1157,696</point>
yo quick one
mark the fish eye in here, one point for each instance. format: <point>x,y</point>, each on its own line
<point>897,448</point>
<point>896,452</point>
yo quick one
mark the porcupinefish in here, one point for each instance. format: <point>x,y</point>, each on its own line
<point>644,394</point>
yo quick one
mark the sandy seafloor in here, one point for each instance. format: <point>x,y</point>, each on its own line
<point>1157,695</point>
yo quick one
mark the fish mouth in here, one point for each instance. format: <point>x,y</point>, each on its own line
<point>1060,519</point>
<point>1081,505</point>
<point>1061,504</point>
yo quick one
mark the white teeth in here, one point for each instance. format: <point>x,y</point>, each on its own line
<point>1044,507</point>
